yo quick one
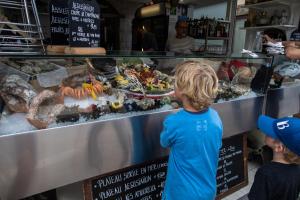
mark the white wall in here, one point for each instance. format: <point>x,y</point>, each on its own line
<point>239,36</point>
<point>217,11</point>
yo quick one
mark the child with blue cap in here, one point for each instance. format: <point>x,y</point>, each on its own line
<point>280,179</point>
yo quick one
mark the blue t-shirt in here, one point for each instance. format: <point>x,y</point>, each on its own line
<point>195,140</point>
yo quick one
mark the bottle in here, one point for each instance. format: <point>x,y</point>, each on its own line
<point>225,30</point>
<point>194,32</point>
<point>197,29</point>
<point>189,26</point>
<point>205,27</point>
<point>258,43</point>
<point>201,33</point>
<point>219,30</point>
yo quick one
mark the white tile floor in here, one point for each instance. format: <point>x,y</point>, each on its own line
<point>252,168</point>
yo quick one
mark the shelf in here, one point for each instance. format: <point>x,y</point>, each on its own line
<point>269,4</point>
<point>283,27</point>
<point>223,21</point>
<point>266,4</point>
<point>132,54</point>
<point>217,38</point>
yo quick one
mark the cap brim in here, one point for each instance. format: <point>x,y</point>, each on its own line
<point>265,124</point>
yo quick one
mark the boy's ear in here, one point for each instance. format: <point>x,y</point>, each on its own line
<point>279,147</point>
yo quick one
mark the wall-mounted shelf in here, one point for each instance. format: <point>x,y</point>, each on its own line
<point>269,4</point>
<point>223,21</point>
<point>283,27</point>
<point>217,38</point>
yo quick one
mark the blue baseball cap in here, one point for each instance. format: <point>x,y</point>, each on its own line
<point>286,130</point>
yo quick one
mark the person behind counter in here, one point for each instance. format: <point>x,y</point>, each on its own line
<point>194,135</point>
<point>292,48</point>
<point>181,42</point>
<point>146,40</point>
<point>279,179</point>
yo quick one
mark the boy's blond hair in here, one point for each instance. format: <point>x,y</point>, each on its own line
<point>291,157</point>
<point>198,82</point>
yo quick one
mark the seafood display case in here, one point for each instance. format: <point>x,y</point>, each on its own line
<point>284,87</point>
<point>63,117</point>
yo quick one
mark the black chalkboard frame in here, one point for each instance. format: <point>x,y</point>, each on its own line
<point>87,185</point>
<point>61,39</point>
<point>84,25</point>
<point>246,180</point>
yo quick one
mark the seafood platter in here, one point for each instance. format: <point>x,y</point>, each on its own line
<point>141,80</point>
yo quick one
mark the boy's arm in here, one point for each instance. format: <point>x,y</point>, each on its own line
<point>260,188</point>
<point>167,136</point>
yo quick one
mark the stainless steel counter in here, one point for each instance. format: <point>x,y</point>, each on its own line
<point>284,101</point>
<point>37,161</point>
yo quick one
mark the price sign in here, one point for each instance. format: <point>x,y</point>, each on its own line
<point>84,16</point>
<point>232,173</point>
<point>145,181</point>
<point>59,22</point>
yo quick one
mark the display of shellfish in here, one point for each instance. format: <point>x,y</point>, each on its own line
<point>143,79</point>
<point>17,93</point>
<point>77,87</point>
<point>44,108</point>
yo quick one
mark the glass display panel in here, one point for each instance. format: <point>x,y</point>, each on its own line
<point>41,92</point>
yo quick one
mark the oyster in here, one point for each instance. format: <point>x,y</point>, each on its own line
<point>146,104</point>
<point>227,91</point>
<point>27,69</point>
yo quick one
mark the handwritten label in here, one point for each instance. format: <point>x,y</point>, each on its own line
<point>59,22</point>
<point>84,16</point>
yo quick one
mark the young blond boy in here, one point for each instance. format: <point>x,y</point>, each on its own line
<point>194,135</point>
<point>280,179</point>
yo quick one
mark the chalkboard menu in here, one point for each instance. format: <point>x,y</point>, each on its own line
<point>146,181</point>
<point>232,168</point>
<point>59,22</point>
<point>84,16</point>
